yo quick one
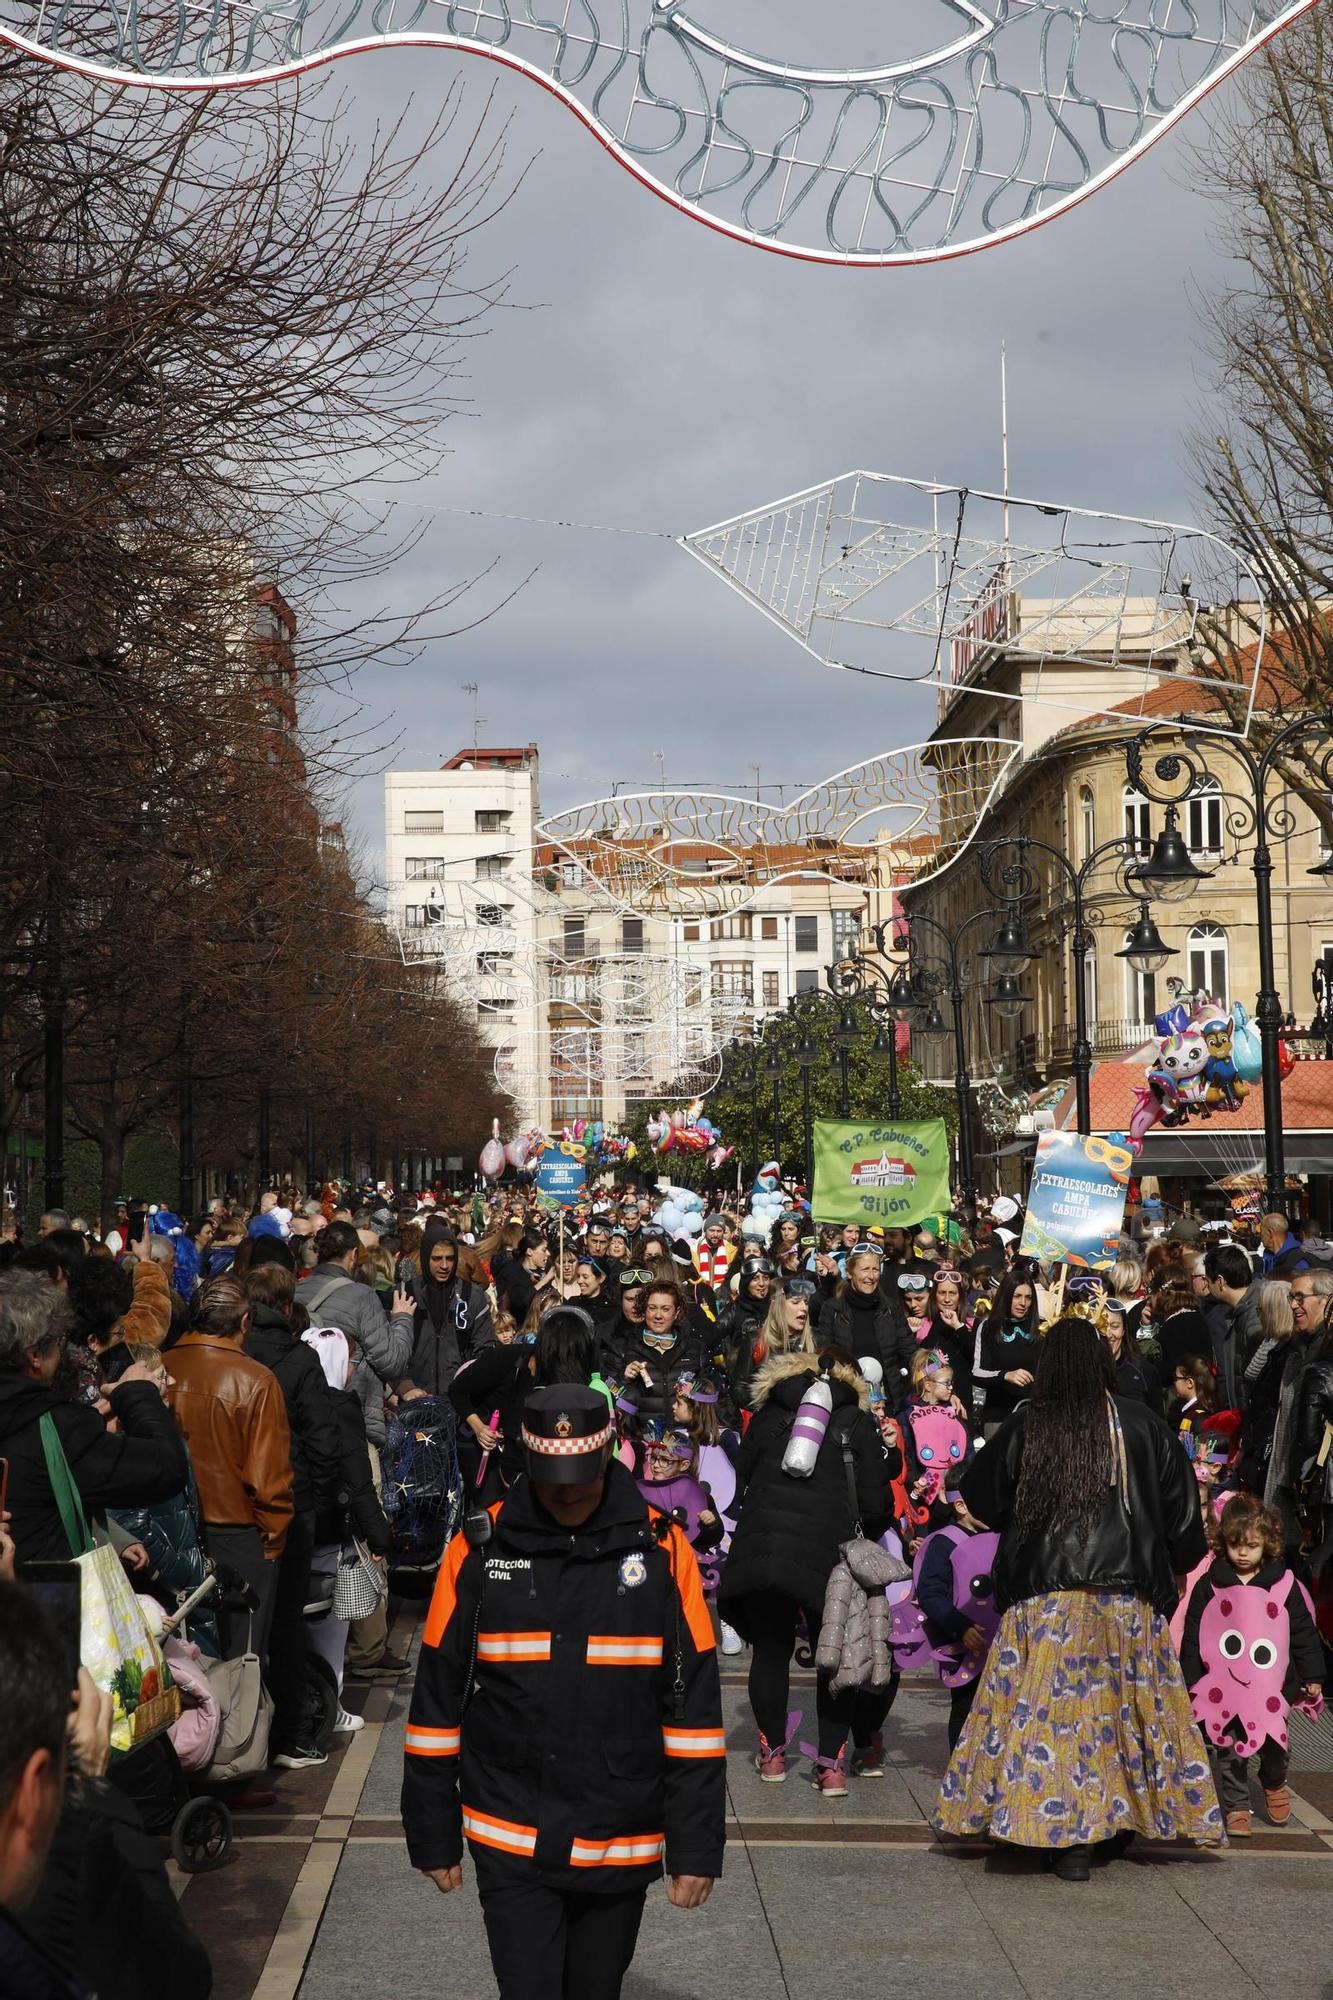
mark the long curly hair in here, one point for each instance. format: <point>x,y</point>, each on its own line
<point>1067,1453</point>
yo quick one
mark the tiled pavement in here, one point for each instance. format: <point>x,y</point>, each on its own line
<point>819,1901</point>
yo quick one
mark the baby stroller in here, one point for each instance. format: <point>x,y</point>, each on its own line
<point>198,1826</point>
<point>422,1485</point>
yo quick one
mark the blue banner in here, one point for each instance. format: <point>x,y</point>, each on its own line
<point>1076,1203</point>
<point>560,1179</point>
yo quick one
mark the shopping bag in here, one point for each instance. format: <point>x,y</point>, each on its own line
<point>246,1708</point>
<point>116,1644</point>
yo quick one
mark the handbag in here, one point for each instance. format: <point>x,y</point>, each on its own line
<point>360,1585</point>
<point>116,1644</point>
<point>1312,1484</point>
<point>246,1708</point>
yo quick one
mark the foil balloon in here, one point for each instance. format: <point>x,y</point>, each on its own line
<point>492,1159</point>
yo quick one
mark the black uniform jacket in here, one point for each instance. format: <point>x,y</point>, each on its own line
<point>590,1748</point>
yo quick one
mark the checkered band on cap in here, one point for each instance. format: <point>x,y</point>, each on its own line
<point>568,1447</point>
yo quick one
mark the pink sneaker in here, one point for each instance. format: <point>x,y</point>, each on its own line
<point>771,1764</point>
<point>830,1780</point>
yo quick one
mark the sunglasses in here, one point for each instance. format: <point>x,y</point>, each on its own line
<point>636,1277</point>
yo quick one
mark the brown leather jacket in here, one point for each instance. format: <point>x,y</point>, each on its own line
<point>232,1416</point>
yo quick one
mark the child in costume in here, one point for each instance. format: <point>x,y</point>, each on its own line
<point>1249,1651</point>
<point>937,1441</point>
<point>956,1600</point>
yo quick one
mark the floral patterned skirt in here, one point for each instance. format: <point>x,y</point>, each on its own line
<point>1081,1729</point>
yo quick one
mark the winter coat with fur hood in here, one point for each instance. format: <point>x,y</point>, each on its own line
<point>790,1530</point>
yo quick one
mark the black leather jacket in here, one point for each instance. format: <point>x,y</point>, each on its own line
<point>1141,1550</point>
<point>1314,1407</point>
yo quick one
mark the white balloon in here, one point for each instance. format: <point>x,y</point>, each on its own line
<point>692,1224</point>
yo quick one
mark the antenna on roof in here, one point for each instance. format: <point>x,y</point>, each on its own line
<point>470,687</point>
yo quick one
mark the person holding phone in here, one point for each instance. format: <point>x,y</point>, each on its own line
<point>140,1462</point>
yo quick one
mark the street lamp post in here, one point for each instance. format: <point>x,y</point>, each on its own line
<point>773,1071</point>
<point>1269,818</point>
<point>1008,870</point>
<point>807,1055</point>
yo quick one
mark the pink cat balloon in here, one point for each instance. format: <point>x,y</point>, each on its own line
<point>1245,1645</point>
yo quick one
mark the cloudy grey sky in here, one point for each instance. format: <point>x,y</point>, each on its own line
<point>664,377</point>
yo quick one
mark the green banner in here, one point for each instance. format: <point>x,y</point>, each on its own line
<point>885,1175</point>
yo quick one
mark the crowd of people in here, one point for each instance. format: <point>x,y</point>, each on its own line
<point>824,1415</point>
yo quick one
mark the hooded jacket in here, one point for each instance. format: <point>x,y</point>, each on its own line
<point>590,1747</point>
<point>381,1347</point>
<point>315,1448</point>
<point>1140,1549</point>
<point>145,1463</point>
<point>790,1530</point>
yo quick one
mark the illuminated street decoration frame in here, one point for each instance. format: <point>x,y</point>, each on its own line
<point>910,580</point>
<point>993,117</point>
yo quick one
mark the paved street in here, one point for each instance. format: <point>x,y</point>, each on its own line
<point>818,1901</point>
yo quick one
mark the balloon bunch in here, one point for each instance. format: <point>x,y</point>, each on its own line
<point>588,1139</point>
<point>681,1212</point>
<point>688,1131</point>
<point>767,1202</point>
<point>1205,1062</point>
<point>516,1153</point>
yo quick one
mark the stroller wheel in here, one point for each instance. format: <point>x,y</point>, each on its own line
<point>321,1700</point>
<point>201,1836</point>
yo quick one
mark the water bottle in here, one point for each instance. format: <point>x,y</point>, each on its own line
<point>807,1433</point>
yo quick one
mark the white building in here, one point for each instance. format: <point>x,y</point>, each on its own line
<point>458,874</point>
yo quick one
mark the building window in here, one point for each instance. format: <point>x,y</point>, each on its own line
<point>412,917</point>
<point>420,869</point>
<point>733,980</point>
<point>807,981</point>
<point>491,867</point>
<point>732,927</point>
<point>492,822</point>
<point>805,938</point>
<point>571,874</point>
<point>490,1009</point>
<point>423,822</point>
<point>1140,991</point>
<point>576,942</point>
<point>771,994</point>
<point>1209,972</point>
<point>1203,819</point>
<point>846,933</point>
<point>492,963</point>
<point>492,913</point>
<point>631,934</point>
<point>768,929</point>
<point>1138,819</point>
<point>690,933</point>
<point>1087,822</point>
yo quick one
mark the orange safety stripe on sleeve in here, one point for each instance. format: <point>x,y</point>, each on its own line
<point>421,1741</point>
<point>610,1649</point>
<point>678,1742</point>
<point>628,1850</point>
<point>504,1834</point>
<point>508,1646</point>
<point>688,1583</point>
<point>444,1598</point>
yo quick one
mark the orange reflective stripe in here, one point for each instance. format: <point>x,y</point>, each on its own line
<point>499,1646</point>
<point>444,1598</point>
<point>607,1649</point>
<point>629,1850</point>
<point>679,1742</point>
<point>488,1831</point>
<point>424,1742</point>
<point>691,1592</point>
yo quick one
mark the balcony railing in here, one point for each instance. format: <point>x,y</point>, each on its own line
<point>1108,1038</point>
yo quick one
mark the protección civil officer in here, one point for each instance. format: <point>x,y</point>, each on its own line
<point>567,1715</point>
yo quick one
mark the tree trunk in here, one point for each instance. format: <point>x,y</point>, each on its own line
<point>112,1145</point>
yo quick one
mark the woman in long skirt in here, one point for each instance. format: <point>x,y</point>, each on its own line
<point>1081,1734</point>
